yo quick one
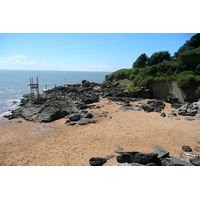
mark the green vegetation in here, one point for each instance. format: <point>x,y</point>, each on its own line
<point>183,67</point>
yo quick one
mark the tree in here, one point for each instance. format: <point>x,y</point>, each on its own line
<point>141,61</point>
<point>159,57</point>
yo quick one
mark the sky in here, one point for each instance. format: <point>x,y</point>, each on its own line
<point>83,51</point>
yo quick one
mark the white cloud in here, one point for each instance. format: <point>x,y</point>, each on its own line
<point>99,66</point>
<point>19,56</point>
<point>32,62</point>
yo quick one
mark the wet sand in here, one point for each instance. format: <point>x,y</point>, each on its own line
<point>24,143</point>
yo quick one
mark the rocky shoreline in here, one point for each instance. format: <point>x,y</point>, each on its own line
<point>158,157</point>
<point>70,102</point>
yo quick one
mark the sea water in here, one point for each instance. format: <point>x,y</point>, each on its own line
<point>14,83</point>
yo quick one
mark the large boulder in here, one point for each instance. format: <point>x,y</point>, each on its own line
<point>162,153</point>
<point>153,106</point>
<point>138,157</point>
<point>50,110</point>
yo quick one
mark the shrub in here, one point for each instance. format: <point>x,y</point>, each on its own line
<point>197,92</point>
<point>185,79</point>
<point>141,61</point>
<point>159,57</point>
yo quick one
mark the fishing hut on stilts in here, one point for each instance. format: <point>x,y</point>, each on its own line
<point>35,87</point>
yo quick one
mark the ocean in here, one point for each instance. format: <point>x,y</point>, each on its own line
<point>14,83</point>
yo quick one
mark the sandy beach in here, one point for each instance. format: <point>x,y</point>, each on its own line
<point>24,143</point>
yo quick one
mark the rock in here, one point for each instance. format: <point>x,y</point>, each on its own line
<point>124,157</point>
<point>85,121</point>
<point>128,164</point>
<point>97,161</point>
<point>88,115</point>
<point>74,117</point>
<point>189,118</point>
<point>85,83</point>
<point>174,162</point>
<point>71,123</point>
<point>171,115</point>
<point>126,107</point>
<point>162,153</point>
<point>176,105</point>
<point>122,164</point>
<point>145,158</point>
<point>109,156</point>
<point>97,106</point>
<point>147,108</point>
<point>89,98</point>
<point>195,161</point>
<point>172,99</point>
<point>186,148</point>
<point>81,106</point>
<point>163,114</point>
<point>119,152</point>
<point>137,157</point>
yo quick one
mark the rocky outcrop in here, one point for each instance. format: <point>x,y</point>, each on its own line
<point>188,109</point>
<point>165,90</point>
<point>153,106</point>
<point>158,157</point>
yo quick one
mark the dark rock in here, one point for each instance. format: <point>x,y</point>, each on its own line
<point>153,106</point>
<point>147,108</point>
<point>123,158</point>
<point>126,107</point>
<point>145,158</point>
<point>97,161</point>
<point>162,153</point>
<point>137,157</point>
<point>189,118</point>
<point>81,106</point>
<point>182,112</point>
<point>176,105</point>
<point>88,115</point>
<point>186,148</point>
<point>120,148</point>
<point>195,161</point>
<point>151,164</point>
<point>85,121</point>
<point>172,99</point>
<point>163,114</point>
<point>71,123</point>
<point>74,117</point>
<point>171,115</point>
<point>174,162</point>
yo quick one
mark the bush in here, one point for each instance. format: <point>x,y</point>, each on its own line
<point>191,58</point>
<point>197,70</point>
<point>119,74</point>
<point>159,57</point>
<point>185,79</point>
<point>197,92</point>
<point>141,61</point>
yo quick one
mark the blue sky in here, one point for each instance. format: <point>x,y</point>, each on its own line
<point>82,51</point>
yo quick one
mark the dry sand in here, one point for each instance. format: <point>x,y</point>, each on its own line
<point>55,144</point>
